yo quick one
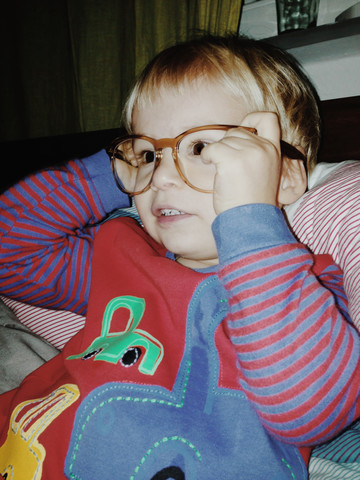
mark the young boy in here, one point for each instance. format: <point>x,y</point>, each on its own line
<point>215,345</point>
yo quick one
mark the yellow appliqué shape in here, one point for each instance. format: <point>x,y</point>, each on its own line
<point>22,456</point>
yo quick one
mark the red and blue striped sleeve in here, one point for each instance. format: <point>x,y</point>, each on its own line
<point>47,229</point>
<point>298,355</point>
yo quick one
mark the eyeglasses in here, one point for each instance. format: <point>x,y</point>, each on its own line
<point>145,154</point>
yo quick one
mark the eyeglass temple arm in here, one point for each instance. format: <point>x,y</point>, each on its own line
<point>291,152</point>
<point>286,149</point>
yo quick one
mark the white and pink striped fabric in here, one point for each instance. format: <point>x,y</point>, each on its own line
<point>327,220</point>
<point>56,326</point>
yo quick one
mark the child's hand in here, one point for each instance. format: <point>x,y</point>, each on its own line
<point>248,165</point>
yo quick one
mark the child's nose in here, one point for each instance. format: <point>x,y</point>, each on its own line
<point>166,174</point>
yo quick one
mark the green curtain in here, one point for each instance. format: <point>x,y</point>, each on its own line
<point>67,65</point>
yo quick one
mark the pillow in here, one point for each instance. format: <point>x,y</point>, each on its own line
<point>327,220</point>
<point>21,350</point>
<point>54,326</point>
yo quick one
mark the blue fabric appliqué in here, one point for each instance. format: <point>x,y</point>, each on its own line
<point>196,431</point>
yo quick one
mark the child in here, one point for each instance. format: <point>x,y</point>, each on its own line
<point>215,345</point>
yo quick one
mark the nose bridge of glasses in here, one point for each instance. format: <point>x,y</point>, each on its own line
<point>163,143</point>
<point>166,167</point>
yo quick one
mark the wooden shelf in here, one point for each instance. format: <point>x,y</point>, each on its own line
<point>311,36</point>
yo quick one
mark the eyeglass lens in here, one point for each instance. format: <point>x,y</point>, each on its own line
<point>140,153</point>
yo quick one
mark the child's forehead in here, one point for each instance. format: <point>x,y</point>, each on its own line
<point>170,111</point>
<point>168,89</point>
<point>236,82</point>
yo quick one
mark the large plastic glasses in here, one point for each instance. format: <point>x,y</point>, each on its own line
<point>145,154</point>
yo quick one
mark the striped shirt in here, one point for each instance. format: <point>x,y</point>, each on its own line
<point>45,257</point>
<point>49,224</point>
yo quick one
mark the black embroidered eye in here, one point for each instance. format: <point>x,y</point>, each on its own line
<point>130,357</point>
<point>89,355</point>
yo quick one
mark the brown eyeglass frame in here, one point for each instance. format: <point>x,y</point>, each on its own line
<point>286,149</point>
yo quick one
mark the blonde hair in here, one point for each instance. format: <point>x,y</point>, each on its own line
<point>262,75</point>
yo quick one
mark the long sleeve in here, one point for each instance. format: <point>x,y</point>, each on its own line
<point>48,225</point>
<point>297,354</point>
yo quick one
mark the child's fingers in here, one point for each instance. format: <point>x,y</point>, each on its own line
<point>235,139</point>
<point>262,132</point>
<point>247,164</point>
<point>266,124</point>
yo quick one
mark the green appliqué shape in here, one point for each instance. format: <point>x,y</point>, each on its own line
<point>111,347</point>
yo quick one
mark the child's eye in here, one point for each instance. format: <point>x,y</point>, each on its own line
<point>148,157</point>
<point>145,158</point>
<point>197,147</point>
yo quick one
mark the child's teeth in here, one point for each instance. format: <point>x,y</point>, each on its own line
<point>169,211</point>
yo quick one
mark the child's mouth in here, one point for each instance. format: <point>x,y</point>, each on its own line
<point>169,212</point>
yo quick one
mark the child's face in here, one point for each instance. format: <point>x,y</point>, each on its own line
<point>174,214</point>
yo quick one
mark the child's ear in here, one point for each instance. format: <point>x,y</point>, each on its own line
<point>293,182</point>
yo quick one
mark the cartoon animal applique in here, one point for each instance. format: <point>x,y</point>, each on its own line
<point>128,345</point>
<point>22,455</point>
<point>143,430</point>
